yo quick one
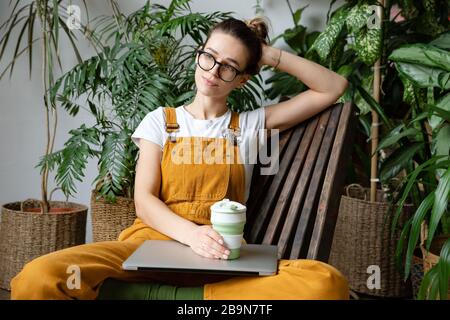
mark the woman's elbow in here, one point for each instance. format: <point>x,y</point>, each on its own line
<point>140,201</point>
<point>343,85</point>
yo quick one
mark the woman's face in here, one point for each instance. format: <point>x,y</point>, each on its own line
<point>227,50</point>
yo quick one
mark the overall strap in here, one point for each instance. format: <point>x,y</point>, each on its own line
<point>233,132</point>
<point>171,124</point>
<point>234,122</point>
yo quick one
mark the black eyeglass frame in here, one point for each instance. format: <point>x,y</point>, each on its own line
<point>200,52</point>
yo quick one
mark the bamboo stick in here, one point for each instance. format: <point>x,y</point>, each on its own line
<point>375,120</point>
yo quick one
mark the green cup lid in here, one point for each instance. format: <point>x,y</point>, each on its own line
<point>227,206</point>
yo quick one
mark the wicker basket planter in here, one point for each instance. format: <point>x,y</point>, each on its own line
<point>109,219</point>
<point>27,235</point>
<point>362,239</point>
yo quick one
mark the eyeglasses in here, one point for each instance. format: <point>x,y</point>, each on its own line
<point>206,62</point>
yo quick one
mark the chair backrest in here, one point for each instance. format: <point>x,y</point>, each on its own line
<point>297,207</point>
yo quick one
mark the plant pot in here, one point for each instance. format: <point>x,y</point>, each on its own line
<point>25,235</point>
<point>362,245</point>
<point>109,219</point>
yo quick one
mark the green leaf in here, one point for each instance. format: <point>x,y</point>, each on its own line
<point>393,137</point>
<point>417,220</point>
<point>441,112</point>
<point>298,14</point>
<point>327,39</point>
<point>295,38</point>
<point>357,17</point>
<point>398,160</point>
<point>375,106</point>
<point>444,270</point>
<point>411,181</point>
<point>423,76</point>
<point>74,158</point>
<point>443,41</point>
<point>368,45</point>
<point>422,54</point>
<point>398,257</point>
<point>428,287</point>
<point>440,205</point>
<point>444,104</point>
<point>441,144</point>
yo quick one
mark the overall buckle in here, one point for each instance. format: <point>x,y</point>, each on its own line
<point>232,135</point>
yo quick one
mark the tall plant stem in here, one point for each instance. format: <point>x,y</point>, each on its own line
<point>44,178</point>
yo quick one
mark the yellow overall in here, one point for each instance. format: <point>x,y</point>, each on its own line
<point>188,189</point>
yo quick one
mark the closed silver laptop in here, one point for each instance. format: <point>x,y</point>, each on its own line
<point>169,255</point>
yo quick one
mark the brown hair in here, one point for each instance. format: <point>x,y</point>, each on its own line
<point>252,33</point>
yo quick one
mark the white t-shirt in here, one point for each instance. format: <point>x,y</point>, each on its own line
<point>152,129</point>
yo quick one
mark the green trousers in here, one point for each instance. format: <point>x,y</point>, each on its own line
<point>113,289</point>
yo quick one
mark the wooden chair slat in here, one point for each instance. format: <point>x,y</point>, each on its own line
<point>301,187</point>
<point>297,208</point>
<point>306,222</point>
<point>328,206</point>
<point>260,183</point>
<point>286,194</point>
<point>275,186</point>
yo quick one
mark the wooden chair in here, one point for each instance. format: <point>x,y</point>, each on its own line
<point>296,209</point>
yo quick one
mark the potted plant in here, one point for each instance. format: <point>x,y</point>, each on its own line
<point>145,67</point>
<point>357,46</point>
<point>35,227</point>
<point>349,47</point>
<point>424,136</point>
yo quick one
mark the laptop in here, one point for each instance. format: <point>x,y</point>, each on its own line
<point>173,256</point>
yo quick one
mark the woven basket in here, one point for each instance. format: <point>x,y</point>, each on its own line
<point>27,235</point>
<point>109,219</point>
<point>362,239</point>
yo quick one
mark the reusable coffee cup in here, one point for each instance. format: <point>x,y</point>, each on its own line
<point>228,219</point>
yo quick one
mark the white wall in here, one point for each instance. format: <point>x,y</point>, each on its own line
<point>22,117</point>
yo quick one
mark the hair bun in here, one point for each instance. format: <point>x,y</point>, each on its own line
<point>259,27</point>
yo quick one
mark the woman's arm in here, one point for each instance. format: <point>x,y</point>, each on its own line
<point>325,87</point>
<point>156,214</point>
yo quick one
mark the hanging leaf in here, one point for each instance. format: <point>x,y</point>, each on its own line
<point>417,220</point>
<point>443,104</point>
<point>408,91</point>
<point>360,102</point>
<point>399,160</point>
<point>295,38</point>
<point>327,39</point>
<point>368,44</point>
<point>358,16</point>
<point>393,137</point>
<point>440,205</point>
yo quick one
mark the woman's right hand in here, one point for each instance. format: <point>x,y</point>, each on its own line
<point>207,242</point>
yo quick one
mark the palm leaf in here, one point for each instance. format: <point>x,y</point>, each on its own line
<point>417,220</point>
<point>440,205</point>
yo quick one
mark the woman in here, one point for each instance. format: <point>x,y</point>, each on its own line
<point>173,197</point>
